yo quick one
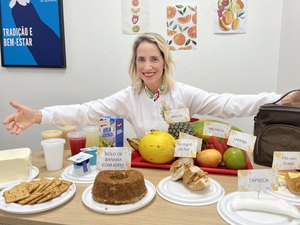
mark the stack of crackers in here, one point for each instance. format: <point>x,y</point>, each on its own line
<point>36,191</point>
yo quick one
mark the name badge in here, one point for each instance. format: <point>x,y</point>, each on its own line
<point>177,115</point>
<point>286,160</point>
<point>113,158</point>
<point>241,140</point>
<point>216,129</point>
<point>257,180</point>
<point>186,148</point>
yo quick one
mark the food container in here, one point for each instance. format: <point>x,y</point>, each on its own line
<point>81,163</point>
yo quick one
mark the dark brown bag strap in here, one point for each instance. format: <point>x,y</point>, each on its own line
<point>285,95</point>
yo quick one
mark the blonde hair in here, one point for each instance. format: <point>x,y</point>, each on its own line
<point>159,41</point>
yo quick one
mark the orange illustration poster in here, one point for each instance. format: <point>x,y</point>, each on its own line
<point>230,16</point>
<point>182,27</point>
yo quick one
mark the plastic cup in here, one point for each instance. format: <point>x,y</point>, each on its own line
<point>77,141</point>
<point>54,153</point>
<point>65,130</point>
<point>51,134</point>
<point>92,138</point>
<point>92,151</point>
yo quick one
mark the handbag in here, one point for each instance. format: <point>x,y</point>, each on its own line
<point>277,128</point>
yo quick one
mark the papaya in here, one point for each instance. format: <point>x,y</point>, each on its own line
<point>198,126</point>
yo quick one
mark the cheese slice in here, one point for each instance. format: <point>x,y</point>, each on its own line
<point>15,164</point>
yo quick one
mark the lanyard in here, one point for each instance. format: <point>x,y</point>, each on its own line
<point>155,95</point>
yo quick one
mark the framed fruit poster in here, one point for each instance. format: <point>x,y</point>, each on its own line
<point>32,33</point>
<point>182,27</point>
<point>230,16</point>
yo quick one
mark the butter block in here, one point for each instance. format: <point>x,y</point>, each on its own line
<point>15,164</point>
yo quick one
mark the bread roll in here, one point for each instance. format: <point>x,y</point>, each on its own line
<point>179,166</point>
<point>195,178</point>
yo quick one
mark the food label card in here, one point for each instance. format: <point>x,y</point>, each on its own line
<point>216,129</point>
<point>113,158</point>
<point>241,140</point>
<point>186,148</point>
<point>286,160</point>
<point>257,180</point>
<point>188,136</point>
<point>177,115</point>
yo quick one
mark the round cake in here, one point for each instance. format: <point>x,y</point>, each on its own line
<point>119,187</point>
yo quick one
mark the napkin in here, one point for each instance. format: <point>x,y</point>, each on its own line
<point>276,206</point>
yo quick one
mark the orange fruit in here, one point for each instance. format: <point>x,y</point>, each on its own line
<point>171,12</point>
<point>194,18</point>
<point>171,32</point>
<point>192,32</point>
<point>184,19</point>
<point>179,39</point>
<point>208,158</point>
<point>234,158</point>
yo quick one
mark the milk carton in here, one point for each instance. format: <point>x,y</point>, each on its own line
<point>111,131</point>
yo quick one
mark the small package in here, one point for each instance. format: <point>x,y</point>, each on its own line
<point>111,131</point>
<point>81,163</point>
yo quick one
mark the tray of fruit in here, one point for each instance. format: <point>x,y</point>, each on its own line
<point>156,150</point>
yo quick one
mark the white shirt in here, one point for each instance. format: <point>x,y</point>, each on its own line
<point>145,114</point>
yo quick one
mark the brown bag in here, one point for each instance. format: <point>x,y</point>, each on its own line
<point>277,128</point>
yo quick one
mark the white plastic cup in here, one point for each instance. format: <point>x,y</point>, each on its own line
<point>54,153</point>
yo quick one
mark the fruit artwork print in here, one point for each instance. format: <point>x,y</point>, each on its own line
<point>135,16</point>
<point>182,27</point>
<point>230,16</point>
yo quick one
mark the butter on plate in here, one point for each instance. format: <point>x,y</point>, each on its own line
<point>15,164</point>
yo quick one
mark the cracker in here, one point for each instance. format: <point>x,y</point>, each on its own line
<point>30,198</point>
<point>45,198</point>
<point>15,194</point>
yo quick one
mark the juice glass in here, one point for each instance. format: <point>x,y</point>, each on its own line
<point>77,141</point>
<point>92,138</point>
<point>65,130</point>
<point>46,134</point>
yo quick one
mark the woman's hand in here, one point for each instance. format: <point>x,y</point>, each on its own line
<point>22,119</point>
<point>292,99</point>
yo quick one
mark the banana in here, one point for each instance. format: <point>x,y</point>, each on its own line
<point>134,143</point>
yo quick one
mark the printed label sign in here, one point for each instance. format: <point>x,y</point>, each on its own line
<point>286,160</point>
<point>186,148</point>
<point>257,180</point>
<point>216,129</point>
<point>241,140</point>
<point>177,115</point>
<point>113,158</point>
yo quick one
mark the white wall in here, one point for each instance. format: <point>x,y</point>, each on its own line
<point>98,55</point>
<point>288,67</point>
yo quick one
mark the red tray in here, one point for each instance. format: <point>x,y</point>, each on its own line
<point>138,161</point>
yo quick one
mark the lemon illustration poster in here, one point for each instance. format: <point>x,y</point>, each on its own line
<point>230,16</point>
<point>135,16</point>
<point>182,27</point>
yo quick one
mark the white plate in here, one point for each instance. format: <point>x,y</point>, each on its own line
<point>31,209</point>
<point>178,193</point>
<point>32,174</point>
<point>117,209</point>
<point>285,194</point>
<point>246,217</point>
<point>68,174</point>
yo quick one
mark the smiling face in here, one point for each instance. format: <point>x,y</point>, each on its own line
<point>150,65</point>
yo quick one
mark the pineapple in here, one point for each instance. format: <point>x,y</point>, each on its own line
<point>175,128</point>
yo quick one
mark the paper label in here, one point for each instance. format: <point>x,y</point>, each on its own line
<point>188,136</point>
<point>257,180</point>
<point>113,158</point>
<point>177,115</point>
<point>186,148</point>
<point>216,129</point>
<point>286,160</point>
<point>241,140</point>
